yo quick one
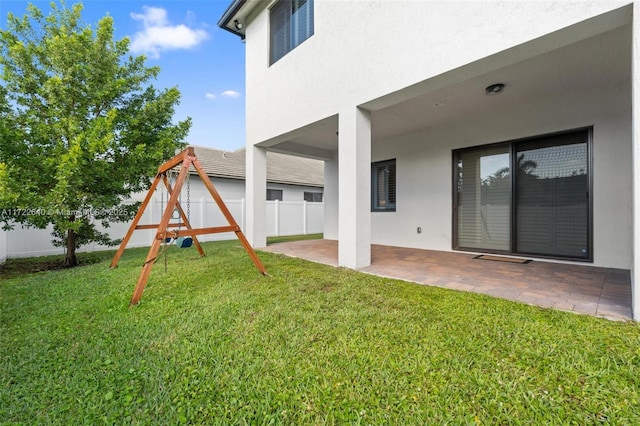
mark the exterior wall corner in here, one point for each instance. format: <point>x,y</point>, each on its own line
<point>635,138</point>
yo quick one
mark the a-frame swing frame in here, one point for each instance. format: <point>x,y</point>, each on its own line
<point>187,158</point>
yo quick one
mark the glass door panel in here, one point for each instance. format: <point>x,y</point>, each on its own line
<point>483,199</point>
<point>552,198</point>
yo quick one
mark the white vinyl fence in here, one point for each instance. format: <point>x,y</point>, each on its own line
<point>283,218</point>
<point>294,218</point>
<point>3,246</point>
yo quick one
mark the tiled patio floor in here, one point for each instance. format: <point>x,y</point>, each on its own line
<point>602,292</point>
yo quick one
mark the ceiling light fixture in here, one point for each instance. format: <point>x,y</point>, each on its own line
<point>494,89</point>
<point>237,24</point>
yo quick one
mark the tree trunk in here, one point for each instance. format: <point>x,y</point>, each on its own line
<point>70,260</point>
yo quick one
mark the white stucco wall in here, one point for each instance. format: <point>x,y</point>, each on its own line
<point>229,189</point>
<point>635,101</point>
<point>362,50</point>
<point>424,170</point>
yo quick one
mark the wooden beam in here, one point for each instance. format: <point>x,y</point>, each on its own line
<point>155,226</point>
<point>136,219</point>
<point>197,231</point>
<point>227,214</point>
<point>176,160</point>
<point>153,250</point>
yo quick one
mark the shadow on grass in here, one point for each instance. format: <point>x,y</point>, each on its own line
<point>19,266</point>
<point>288,238</point>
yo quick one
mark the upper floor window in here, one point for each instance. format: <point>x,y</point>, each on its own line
<point>383,186</point>
<point>291,24</point>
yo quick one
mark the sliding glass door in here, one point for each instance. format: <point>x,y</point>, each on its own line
<point>525,197</point>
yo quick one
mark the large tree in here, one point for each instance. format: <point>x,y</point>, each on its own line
<point>81,125</point>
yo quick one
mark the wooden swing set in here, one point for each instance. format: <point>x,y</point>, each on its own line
<point>166,230</point>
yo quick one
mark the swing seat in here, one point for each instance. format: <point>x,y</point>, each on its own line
<point>184,242</point>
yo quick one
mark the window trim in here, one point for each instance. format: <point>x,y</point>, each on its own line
<point>374,179</point>
<point>513,211</point>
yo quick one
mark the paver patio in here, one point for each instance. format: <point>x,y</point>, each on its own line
<point>602,292</point>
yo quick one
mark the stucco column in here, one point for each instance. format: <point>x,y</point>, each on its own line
<point>354,188</point>
<point>330,198</point>
<point>635,142</point>
<point>256,194</point>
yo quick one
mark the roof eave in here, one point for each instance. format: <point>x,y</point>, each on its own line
<point>295,183</point>
<point>229,15</point>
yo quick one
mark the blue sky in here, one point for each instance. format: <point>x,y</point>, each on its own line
<point>181,36</point>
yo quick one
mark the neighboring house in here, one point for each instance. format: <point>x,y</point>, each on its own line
<point>288,178</point>
<point>294,192</point>
<point>297,184</point>
<point>494,126</point>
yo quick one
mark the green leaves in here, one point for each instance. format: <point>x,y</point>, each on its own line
<point>82,127</point>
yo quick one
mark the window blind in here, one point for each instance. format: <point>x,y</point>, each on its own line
<point>483,204</point>
<point>383,182</point>
<point>302,19</point>
<point>280,30</point>
<point>552,200</point>
<point>291,23</point>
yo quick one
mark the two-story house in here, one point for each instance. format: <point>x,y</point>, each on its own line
<point>496,126</point>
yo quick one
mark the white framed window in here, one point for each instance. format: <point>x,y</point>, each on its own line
<point>274,194</point>
<point>291,23</point>
<point>383,186</point>
<point>313,197</point>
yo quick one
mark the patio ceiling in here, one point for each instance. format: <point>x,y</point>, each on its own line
<point>591,55</point>
<point>601,61</point>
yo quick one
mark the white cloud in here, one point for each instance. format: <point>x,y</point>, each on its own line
<point>226,94</point>
<point>158,33</point>
<point>230,94</point>
<point>152,17</point>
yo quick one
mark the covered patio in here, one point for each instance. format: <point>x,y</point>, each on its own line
<point>601,292</point>
<point>574,79</point>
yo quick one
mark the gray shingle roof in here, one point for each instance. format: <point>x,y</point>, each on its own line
<point>281,168</point>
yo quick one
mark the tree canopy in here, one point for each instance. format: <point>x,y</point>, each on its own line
<point>81,126</point>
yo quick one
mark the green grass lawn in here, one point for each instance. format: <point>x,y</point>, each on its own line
<point>214,342</point>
